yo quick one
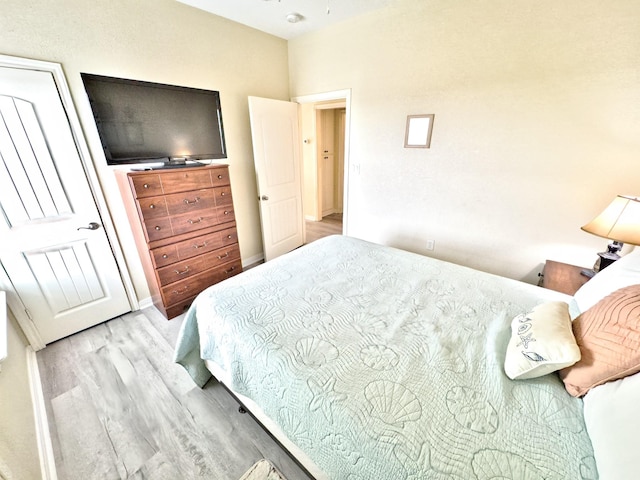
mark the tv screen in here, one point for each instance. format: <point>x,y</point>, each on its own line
<point>141,122</point>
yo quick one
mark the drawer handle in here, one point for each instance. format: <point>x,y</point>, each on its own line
<point>152,206</point>
<point>146,185</point>
<point>227,212</point>
<point>229,270</point>
<point>181,292</point>
<point>220,177</point>
<point>165,256</point>
<point>226,254</point>
<point>222,194</point>
<point>158,228</point>
<point>182,272</point>
<point>229,237</point>
<point>200,246</point>
<point>188,202</point>
<point>195,221</point>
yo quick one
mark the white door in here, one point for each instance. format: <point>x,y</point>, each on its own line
<point>328,190</point>
<point>276,153</point>
<point>52,245</point>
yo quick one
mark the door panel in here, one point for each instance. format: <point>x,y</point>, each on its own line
<point>63,272</point>
<point>31,189</point>
<point>276,151</point>
<point>66,276</point>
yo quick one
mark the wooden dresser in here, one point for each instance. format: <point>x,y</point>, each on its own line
<point>185,231</point>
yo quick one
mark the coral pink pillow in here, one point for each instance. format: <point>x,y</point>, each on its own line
<point>608,335</point>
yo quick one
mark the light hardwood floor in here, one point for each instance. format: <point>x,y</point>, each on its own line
<point>119,408</point>
<point>329,225</point>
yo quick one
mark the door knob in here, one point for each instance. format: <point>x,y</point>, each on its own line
<point>91,226</point>
<point>264,197</point>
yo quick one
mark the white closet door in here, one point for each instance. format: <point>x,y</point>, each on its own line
<point>53,247</point>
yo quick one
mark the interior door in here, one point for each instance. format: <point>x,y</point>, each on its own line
<point>276,153</point>
<point>53,248</point>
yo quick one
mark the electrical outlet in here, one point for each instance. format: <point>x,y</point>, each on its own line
<point>431,244</point>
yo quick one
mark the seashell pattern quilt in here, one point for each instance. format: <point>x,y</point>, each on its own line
<point>384,364</point>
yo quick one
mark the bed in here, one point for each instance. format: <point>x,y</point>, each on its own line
<point>367,361</point>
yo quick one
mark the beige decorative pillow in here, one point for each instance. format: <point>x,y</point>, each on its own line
<point>541,342</point>
<point>608,335</point>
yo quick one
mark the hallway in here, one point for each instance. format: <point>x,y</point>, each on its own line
<point>329,225</point>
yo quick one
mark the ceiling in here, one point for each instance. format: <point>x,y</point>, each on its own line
<point>271,15</point>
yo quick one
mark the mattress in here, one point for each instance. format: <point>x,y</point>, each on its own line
<point>380,363</point>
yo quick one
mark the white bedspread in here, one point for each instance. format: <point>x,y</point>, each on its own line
<point>382,364</point>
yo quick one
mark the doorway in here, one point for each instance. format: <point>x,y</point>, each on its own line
<point>324,128</point>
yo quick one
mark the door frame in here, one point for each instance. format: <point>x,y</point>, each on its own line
<point>337,95</point>
<point>14,302</point>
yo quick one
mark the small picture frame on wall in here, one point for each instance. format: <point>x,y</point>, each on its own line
<point>418,133</point>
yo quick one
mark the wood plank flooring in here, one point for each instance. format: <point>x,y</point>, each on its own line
<point>119,408</point>
<point>329,225</point>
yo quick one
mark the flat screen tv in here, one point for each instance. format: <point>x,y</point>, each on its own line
<point>144,122</point>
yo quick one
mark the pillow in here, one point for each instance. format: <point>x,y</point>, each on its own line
<point>622,273</point>
<point>541,342</point>
<point>613,423</point>
<point>608,335</point>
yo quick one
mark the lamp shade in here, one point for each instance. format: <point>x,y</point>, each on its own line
<point>620,221</point>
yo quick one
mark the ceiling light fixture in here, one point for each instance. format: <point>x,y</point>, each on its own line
<point>294,17</point>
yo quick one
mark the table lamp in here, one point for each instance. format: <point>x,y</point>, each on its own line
<point>619,222</point>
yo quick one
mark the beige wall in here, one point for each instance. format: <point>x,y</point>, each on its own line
<point>18,448</point>
<point>162,41</point>
<point>536,124</point>
<point>536,111</point>
<point>309,165</point>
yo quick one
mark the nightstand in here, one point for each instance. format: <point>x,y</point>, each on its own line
<point>562,277</point>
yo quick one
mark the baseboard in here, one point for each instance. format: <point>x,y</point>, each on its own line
<point>145,303</point>
<point>43,436</point>
<point>252,261</point>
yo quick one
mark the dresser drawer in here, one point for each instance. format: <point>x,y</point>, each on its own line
<point>165,255</point>
<point>185,180</point>
<point>225,214</point>
<point>146,185</point>
<point>165,227</point>
<point>152,207</point>
<point>189,287</point>
<point>179,308</point>
<point>229,236</point>
<point>188,222</point>
<point>223,196</point>
<point>202,244</point>
<point>183,305</point>
<point>178,203</point>
<point>220,176</point>
<point>230,269</point>
<point>158,228</point>
<point>190,267</point>
<point>169,254</point>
